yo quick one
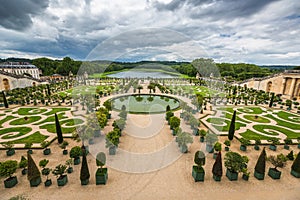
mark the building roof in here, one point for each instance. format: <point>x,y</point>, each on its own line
<point>17,65</point>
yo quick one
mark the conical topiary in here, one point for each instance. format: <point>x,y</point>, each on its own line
<point>260,166</point>
<point>84,171</point>
<point>33,174</point>
<point>296,164</point>
<point>217,169</point>
<point>271,101</point>
<point>60,138</point>
<point>232,126</point>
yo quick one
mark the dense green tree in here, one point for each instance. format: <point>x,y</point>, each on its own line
<point>84,171</point>
<point>33,171</point>
<point>232,126</point>
<point>217,169</point>
<point>272,100</point>
<point>260,166</point>
<point>4,100</point>
<point>60,138</point>
<point>296,164</point>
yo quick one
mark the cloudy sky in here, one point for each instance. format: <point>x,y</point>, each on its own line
<point>252,31</point>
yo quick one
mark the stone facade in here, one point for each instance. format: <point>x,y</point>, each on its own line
<point>20,68</point>
<point>286,83</point>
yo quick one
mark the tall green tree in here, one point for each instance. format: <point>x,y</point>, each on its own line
<point>4,100</point>
<point>296,164</point>
<point>217,169</point>
<point>260,166</point>
<point>84,171</point>
<point>60,138</point>
<point>271,101</point>
<point>232,126</point>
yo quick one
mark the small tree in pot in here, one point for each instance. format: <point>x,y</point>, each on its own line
<point>7,169</point>
<point>257,143</point>
<point>174,123</point>
<point>75,153</point>
<point>28,146</point>
<point>45,145</point>
<point>101,173</point>
<point>23,164</point>
<point>64,145</point>
<point>217,148</point>
<point>274,142</point>
<point>244,144</point>
<point>9,148</point>
<point>198,172</point>
<point>217,169</point>
<point>112,141</point>
<point>227,143</point>
<point>234,163</point>
<point>59,172</point>
<point>84,171</point>
<point>277,161</point>
<point>45,171</point>
<point>287,142</point>
<point>202,133</point>
<point>69,163</point>
<point>183,139</point>
<point>211,139</point>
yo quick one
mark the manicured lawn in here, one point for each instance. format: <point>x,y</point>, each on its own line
<point>52,119</point>
<point>69,122</point>
<point>15,132</point>
<point>251,110</point>
<point>289,134</point>
<point>7,118</point>
<point>258,119</point>
<point>31,111</point>
<point>226,128</point>
<point>56,110</point>
<point>288,116</point>
<point>22,120</point>
<point>250,135</point>
<point>37,137</point>
<point>294,126</point>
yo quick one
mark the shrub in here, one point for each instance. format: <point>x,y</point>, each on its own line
<point>33,171</point>
<point>174,122</point>
<point>100,159</point>
<point>75,152</point>
<point>84,171</point>
<point>59,170</point>
<point>274,141</point>
<point>290,156</point>
<point>296,164</point>
<point>232,126</point>
<point>218,146</point>
<point>169,114</point>
<point>8,168</point>
<point>64,144</point>
<point>244,141</point>
<point>217,169</point>
<point>234,162</point>
<point>260,166</point>
<point>23,163</point>
<point>199,159</point>
<point>227,143</point>
<point>288,141</point>
<point>278,161</point>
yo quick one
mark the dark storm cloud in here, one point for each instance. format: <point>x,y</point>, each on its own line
<point>215,8</point>
<point>16,14</point>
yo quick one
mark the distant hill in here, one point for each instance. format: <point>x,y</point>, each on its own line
<point>279,67</point>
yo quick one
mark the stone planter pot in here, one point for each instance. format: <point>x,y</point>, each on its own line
<point>232,176</point>
<point>256,147</point>
<point>274,173</point>
<point>61,181</point>
<point>24,171</point>
<point>70,170</point>
<point>112,150</point>
<point>245,177</point>
<point>101,176</point>
<point>10,182</point>
<point>48,182</point>
<point>209,148</point>
<point>259,176</point>
<point>202,139</point>
<point>84,182</point>
<point>217,178</point>
<point>273,147</point>
<point>35,182</point>
<point>243,148</point>
<point>77,161</point>
<point>287,147</point>
<point>198,174</point>
<point>10,152</point>
<point>295,174</point>
<point>65,152</point>
<point>47,151</point>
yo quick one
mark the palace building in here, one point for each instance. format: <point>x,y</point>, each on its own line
<point>286,83</point>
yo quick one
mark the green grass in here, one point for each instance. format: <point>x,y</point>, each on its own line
<point>294,126</point>
<point>34,111</point>
<point>258,119</point>
<point>286,115</point>
<point>19,130</point>
<point>254,110</point>
<point>7,118</point>
<point>56,110</point>
<point>52,119</point>
<point>238,125</point>
<point>250,135</point>
<point>69,122</point>
<point>22,120</point>
<point>289,134</point>
<point>228,109</point>
<point>36,137</point>
<point>217,121</point>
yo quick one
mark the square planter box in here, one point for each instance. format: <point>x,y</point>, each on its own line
<point>47,151</point>
<point>61,181</point>
<point>287,147</point>
<point>48,182</point>
<point>274,174</point>
<point>70,170</point>
<point>198,174</point>
<point>35,182</point>
<point>84,182</point>
<point>295,174</point>
<point>10,152</point>
<point>273,147</point>
<point>243,148</point>
<point>101,176</point>
<point>217,178</point>
<point>77,161</point>
<point>259,176</point>
<point>201,139</point>
<point>10,182</point>
<point>232,176</point>
<point>112,150</point>
<point>256,147</point>
<point>226,148</point>
<point>244,177</point>
<point>195,132</point>
<point>65,152</point>
<point>209,148</point>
